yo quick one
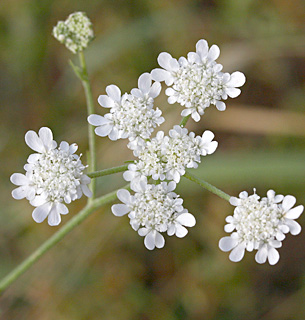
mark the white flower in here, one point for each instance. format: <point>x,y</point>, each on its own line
<point>197,82</point>
<point>75,33</point>
<point>260,225</point>
<point>167,157</point>
<point>53,176</point>
<point>154,209</point>
<point>132,115</point>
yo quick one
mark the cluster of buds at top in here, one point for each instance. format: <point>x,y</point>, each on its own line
<point>75,33</point>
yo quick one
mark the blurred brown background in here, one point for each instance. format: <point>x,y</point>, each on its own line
<point>102,269</point>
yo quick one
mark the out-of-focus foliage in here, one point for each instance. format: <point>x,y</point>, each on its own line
<point>102,269</point>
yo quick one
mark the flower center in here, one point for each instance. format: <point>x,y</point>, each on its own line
<point>257,220</point>
<point>135,116</point>
<point>56,174</point>
<point>154,209</point>
<point>198,86</point>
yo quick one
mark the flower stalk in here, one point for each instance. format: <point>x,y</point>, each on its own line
<point>184,121</point>
<point>52,241</point>
<point>108,171</point>
<point>90,110</point>
<point>207,186</point>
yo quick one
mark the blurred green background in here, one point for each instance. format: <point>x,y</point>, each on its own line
<point>102,269</point>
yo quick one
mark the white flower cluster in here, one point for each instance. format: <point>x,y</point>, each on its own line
<point>154,209</point>
<point>260,225</point>
<point>167,157</point>
<point>131,115</point>
<point>197,82</point>
<point>53,176</point>
<point>75,33</point>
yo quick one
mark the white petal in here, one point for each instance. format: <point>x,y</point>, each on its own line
<point>86,191</point>
<point>280,236</point>
<point>149,240</point>
<point>270,194</point>
<point>155,90</point>
<point>212,147</point>
<point>34,157</point>
<point>114,134</point>
<point>261,255</point>
<point>124,195</point>
<point>162,75</point>
<point>294,213</point>
<point>38,201</point>
<point>46,136</point>
<point>72,148</point>
<point>275,243</point>
<point>186,219</point>
<point>105,101</point>
<point>193,57</point>
<point>32,140</point>
<point>164,60</point>
<point>61,208</point>
<point>144,82</point>
<point>41,212</point>
<point>114,92</point>
<point>273,256</point>
<point>159,240</point>
<point>97,120</point>
<point>233,92</point>
<point>237,79</point>
<point>243,195</point>
<point>237,253</point>
<point>207,136</point>
<point>143,232</point>
<point>20,192</point>
<point>229,227</point>
<point>137,93</point>
<point>64,146</point>
<point>172,99</point>
<point>227,243</point>
<point>171,186</point>
<point>235,201</point>
<point>195,116</point>
<point>103,130</point>
<point>171,230</point>
<point>250,246</point>
<point>294,227</point>
<point>54,218</point>
<point>128,175</point>
<point>220,105</point>
<point>119,209</point>
<point>202,48</point>
<point>288,202</point>
<point>19,179</point>
<point>213,53</point>
<point>181,231</point>
<point>186,112</point>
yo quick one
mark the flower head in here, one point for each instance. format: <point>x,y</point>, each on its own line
<point>260,224</point>
<point>154,209</point>
<point>53,176</point>
<point>197,82</point>
<point>167,157</point>
<point>131,115</point>
<point>75,33</point>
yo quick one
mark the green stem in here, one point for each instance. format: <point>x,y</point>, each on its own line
<point>47,245</point>
<point>207,186</point>
<point>108,171</point>
<point>184,121</point>
<point>90,110</point>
